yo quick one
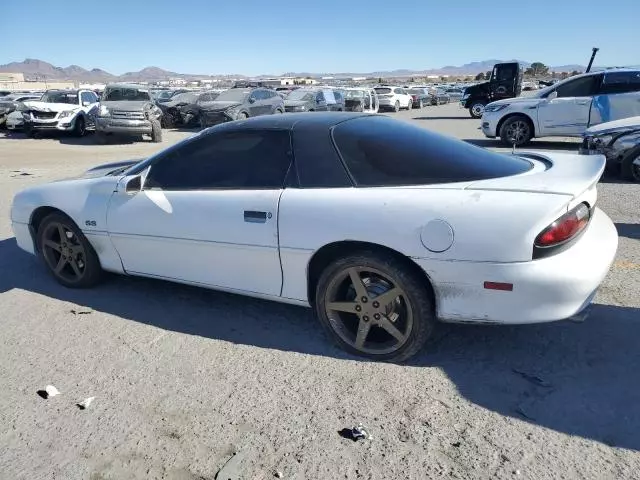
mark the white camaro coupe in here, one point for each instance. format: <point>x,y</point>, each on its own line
<point>382,227</point>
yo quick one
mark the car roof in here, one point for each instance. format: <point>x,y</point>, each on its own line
<point>129,85</point>
<point>287,121</point>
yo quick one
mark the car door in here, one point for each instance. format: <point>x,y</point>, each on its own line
<point>565,110</point>
<point>207,212</point>
<point>255,103</point>
<point>618,97</point>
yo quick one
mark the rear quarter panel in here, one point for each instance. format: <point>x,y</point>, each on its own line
<point>488,226</point>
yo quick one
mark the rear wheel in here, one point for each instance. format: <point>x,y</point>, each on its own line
<point>477,109</point>
<point>67,253</point>
<point>396,106</point>
<point>630,165</point>
<point>374,306</point>
<point>516,130</point>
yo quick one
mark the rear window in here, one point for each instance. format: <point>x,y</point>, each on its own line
<point>382,90</point>
<point>415,91</point>
<point>380,151</point>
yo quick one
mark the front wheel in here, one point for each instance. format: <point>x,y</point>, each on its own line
<point>156,131</point>
<point>476,109</point>
<point>67,253</point>
<point>373,305</point>
<point>630,165</point>
<point>516,130</point>
<point>80,127</point>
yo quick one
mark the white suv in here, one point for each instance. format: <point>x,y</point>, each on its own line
<point>65,110</point>
<point>393,98</point>
<point>565,109</point>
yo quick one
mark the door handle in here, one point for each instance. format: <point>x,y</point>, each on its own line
<point>253,216</point>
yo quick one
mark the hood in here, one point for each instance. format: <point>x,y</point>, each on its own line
<point>126,105</point>
<point>617,126</point>
<point>478,88</point>
<point>105,168</point>
<point>50,107</point>
<point>517,100</point>
<point>219,105</point>
<point>295,103</point>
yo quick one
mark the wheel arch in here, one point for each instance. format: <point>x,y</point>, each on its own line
<point>516,114</point>
<point>323,257</point>
<point>37,216</point>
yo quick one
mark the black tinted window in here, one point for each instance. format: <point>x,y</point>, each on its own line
<point>580,87</point>
<point>240,160</point>
<point>621,82</point>
<point>379,151</point>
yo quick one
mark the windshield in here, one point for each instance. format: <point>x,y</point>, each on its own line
<point>234,95</point>
<point>382,90</point>
<point>300,95</point>
<point>126,94</point>
<point>164,95</point>
<point>60,97</point>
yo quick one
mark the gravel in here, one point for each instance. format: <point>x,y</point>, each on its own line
<point>186,379</point>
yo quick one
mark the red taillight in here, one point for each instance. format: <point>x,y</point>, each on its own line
<point>565,228</point>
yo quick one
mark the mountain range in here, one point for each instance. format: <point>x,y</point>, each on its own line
<point>34,69</point>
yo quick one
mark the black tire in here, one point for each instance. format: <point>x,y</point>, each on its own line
<point>628,170</point>
<point>29,131</point>
<point>242,116</point>
<point>410,105</point>
<point>396,106</point>
<point>92,272</point>
<point>156,131</point>
<point>516,130</point>
<point>414,292</point>
<point>167,121</point>
<point>80,126</point>
<point>477,108</point>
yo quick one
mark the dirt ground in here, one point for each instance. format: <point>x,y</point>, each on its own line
<point>186,379</point>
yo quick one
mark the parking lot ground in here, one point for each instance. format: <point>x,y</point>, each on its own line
<point>183,378</point>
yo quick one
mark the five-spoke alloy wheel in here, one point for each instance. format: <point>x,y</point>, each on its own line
<point>67,253</point>
<point>375,306</point>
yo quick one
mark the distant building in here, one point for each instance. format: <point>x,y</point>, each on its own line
<point>16,81</point>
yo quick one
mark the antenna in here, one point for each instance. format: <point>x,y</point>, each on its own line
<point>513,150</point>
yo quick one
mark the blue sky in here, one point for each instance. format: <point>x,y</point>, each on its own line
<point>273,36</point>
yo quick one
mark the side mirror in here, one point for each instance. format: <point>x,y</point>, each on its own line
<point>133,185</point>
<point>252,100</point>
<point>552,95</point>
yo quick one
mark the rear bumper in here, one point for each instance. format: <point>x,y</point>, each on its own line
<point>125,127</point>
<point>553,288</point>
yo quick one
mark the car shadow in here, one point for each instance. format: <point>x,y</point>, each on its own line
<point>576,379</point>
<point>629,230</point>
<point>445,117</point>
<point>533,145</point>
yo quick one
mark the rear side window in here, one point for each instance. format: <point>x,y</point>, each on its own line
<point>380,151</point>
<point>621,82</point>
<point>580,87</point>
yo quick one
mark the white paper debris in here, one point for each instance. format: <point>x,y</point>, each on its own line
<point>85,403</point>
<point>51,391</point>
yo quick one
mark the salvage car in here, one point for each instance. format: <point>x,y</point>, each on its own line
<point>311,99</point>
<point>419,96</point>
<point>128,109</point>
<point>439,97</point>
<point>361,100</point>
<point>565,109</point>
<point>393,98</point>
<point>619,141</point>
<point>12,102</point>
<point>63,110</point>
<point>382,227</point>
<point>240,103</point>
